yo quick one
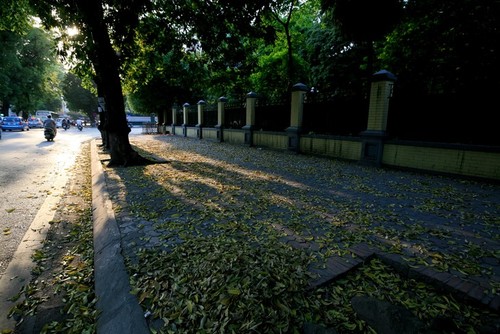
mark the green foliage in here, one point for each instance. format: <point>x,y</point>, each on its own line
<point>9,63</point>
<point>199,50</point>
<point>282,63</point>
<point>183,51</point>
<point>30,71</point>
<point>79,99</point>
<point>15,15</point>
<point>271,78</point>
<point>450,47</point>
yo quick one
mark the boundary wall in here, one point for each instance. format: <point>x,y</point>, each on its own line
<point>371,147</point>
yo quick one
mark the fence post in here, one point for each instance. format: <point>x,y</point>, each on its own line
<point>220,118</point>
<point>185,110</point>
<point>199,126</point>
<point>373,138</point>
<point>174,118</point>
<point>153,124</point>
<point>250,118</point>
<point>164,123</point>
<point>297,110</point>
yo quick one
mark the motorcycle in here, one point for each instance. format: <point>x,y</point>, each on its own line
<point>80,127</point>
<point>65,126</point>
<point>49,134</point>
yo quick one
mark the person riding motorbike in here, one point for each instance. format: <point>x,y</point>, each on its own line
<point>50,125</point>
<point>79,124</point>
<point>65,124</point>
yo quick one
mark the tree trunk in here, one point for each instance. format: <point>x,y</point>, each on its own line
<point>107,67</point>
<point>5,107</point>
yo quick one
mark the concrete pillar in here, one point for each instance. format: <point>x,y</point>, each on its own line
<point>380,94</point>
<point>220,118</point>
<point>250,118</point>
<point>296,113</point>
<point>375,134</point>
<point>185,111</point>
<point>174,118</point>
<point>164,121</point>
<point>199,126</point>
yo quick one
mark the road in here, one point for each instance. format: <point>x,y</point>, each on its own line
<point>31,169</point>
<point>33,176</point>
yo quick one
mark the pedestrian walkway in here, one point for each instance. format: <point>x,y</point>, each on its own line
<point>442,230</point>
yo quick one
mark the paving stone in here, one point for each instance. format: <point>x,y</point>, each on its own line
<point>406,210</point>
<point>394,260</point>
<point>298,244</point>
<point>454,282</point>
<point>465,287</point>
<point>477,292</point>
<point>441,277</point>
<point>423,273</point>
<point>335,266</point>
<point>487,299</point>
<point>387,318</point>
<point>339,266</point>
<point>495,303</point>
<point>363,251</point>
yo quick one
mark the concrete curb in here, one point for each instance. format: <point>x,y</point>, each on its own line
<point>120,312</point>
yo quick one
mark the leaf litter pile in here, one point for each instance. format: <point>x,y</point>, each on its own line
<point>214,256</point>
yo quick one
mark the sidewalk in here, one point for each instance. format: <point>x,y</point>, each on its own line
<point>440,230</point>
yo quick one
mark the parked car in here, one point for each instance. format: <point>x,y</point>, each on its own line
<point>35,123</point>
<point>14,123</point>
<point>59,122</point>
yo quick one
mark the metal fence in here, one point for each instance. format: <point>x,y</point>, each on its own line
<point>149,128</point>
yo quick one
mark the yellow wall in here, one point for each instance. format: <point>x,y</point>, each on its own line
<point>192,132</point>
<point>335,148</point>
<point>179,130</point>
<point>444,160</point>
<point>270,139</point>
<point>451,160</point>
<point>209,133</point>
<point>234,136</point>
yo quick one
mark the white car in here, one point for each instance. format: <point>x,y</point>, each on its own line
<point>35,123</point>
<point>58,122</point>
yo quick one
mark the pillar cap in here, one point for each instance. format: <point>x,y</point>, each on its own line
<point>252,94</point>
<point>222,99</point>
<point>383,75</point>
<point>201,102</point>
<point>299,87</point>
<point>185,104</point>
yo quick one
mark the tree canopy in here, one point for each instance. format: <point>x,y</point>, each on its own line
<point>157,53</point>
<point>80,100</point>
<point>29,71</point>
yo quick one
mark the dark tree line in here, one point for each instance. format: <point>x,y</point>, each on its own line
<point>157,53</point>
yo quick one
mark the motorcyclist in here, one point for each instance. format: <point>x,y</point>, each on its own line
<point>49,123</point>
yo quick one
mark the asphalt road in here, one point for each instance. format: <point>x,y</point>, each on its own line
<point>33,175</point>
<point>31,169</point>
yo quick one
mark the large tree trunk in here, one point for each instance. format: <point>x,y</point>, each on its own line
<point>107,67</point>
